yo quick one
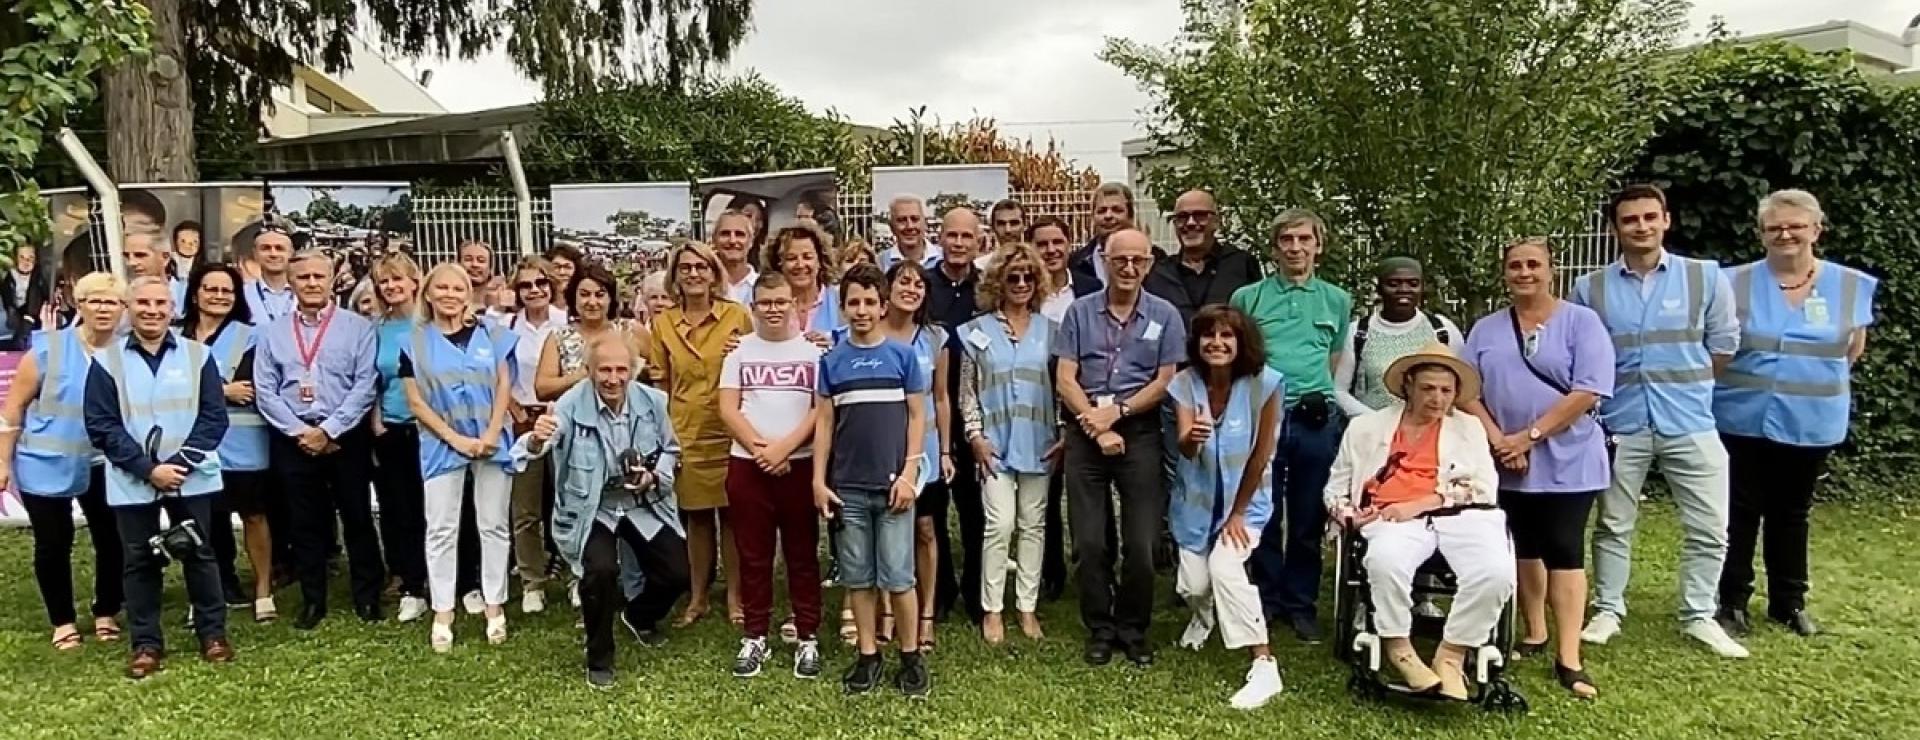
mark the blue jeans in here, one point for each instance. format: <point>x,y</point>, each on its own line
<point>1695,467</point>
<point>1286,565</point>
<point>876,543</point>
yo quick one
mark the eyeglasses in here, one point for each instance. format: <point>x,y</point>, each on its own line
<point>1129,260</point>
<point>1020,278</point>
<point>691,267</point>
<point>101,303</point>
<point>1194,216</point>
<point>1784,229</point>
<point>773,304</point>
<point>541,283</point>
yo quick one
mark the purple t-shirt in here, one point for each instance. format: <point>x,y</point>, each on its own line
<point>1574,349</point>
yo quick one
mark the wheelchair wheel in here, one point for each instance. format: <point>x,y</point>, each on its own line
<point>1501,697</point>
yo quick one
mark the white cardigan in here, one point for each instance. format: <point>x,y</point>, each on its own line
<point>1467,474</point>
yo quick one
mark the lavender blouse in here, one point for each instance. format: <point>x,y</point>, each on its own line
<point>1574,349</point>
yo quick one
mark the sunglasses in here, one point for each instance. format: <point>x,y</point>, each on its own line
<point>541,283</point>
<point>1021,278</point>
<point>1194,216</point>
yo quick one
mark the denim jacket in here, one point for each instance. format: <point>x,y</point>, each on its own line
<point>584,460</point>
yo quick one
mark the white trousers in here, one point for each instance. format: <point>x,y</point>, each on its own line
<point>1474,544</point>
<point>1016,509</point>
<point>492,497</point>
<point>1216,586</point>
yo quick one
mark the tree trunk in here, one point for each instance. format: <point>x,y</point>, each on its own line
<point>150,107</point>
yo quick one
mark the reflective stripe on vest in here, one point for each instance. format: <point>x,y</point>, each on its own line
<point>458,385</point>
<point>167,397</point>
<point>245,448</point>
<point>1198,506</point>
<point>928,341</point>
<point>1015,393</point>
<point>1790,382</point>
<point>54,455</point>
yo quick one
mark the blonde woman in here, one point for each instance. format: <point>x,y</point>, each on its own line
<point>396,434</point>
<point>1007,410</point>
<point>857,252</point>
<point>458,381</point>
<point>44,449</point>
<point>689,344</point>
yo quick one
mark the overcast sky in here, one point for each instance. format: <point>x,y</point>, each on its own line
<point>1031,64</point>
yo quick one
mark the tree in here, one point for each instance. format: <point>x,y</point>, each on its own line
<point>658,132</point>
<point>246,48</point>
<point>643,225</point>
<point>50,51</point>
<point>1030,167</point>
<point>1438,130</point>
<point>1737,122</point>
<point>324,207</point>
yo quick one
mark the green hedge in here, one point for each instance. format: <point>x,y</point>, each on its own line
<point>1738,122</point>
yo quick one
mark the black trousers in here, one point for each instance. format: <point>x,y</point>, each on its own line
<point>225,549</point>
<point>1772,495</point>
<point>319,489</point>
<point>1119,611</point>
<point>1053,563</point>
<point>52,520</point>
<point>664,561</point>
<point>403,513</point>
<point>145,571</point>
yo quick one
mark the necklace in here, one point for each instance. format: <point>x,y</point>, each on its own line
<point>1803,281</point>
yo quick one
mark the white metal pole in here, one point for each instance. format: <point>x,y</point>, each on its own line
<point>522,196</point>
<point>108,193</point>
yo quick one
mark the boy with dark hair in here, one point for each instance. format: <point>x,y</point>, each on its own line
<point>870,407</point>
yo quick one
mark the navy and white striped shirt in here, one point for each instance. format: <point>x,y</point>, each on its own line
<point>868,387</point>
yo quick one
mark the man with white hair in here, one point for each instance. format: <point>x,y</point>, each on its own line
<point>907,221</point>
<point>154,407</point>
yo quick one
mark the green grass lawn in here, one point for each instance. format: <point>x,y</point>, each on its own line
<point>353,680</point>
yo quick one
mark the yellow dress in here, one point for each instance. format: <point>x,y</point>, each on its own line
<point>685,360</point>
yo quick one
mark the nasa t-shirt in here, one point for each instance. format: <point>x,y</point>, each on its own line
<point>776,383</point>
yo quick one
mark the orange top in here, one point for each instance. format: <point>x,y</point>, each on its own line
<point>1417,473</point>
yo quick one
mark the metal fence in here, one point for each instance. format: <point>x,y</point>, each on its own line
<point>440,225</point>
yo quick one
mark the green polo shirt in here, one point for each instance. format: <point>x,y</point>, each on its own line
<point>1303,326</point>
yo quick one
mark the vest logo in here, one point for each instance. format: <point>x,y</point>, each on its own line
<point>174,373</point>
<point>1671,307</point>
<point>483,352</point>
<point>777,374</point>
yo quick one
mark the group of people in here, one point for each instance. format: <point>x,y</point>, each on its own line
<point>1072,404</point>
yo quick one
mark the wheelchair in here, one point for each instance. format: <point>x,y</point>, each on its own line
<point>1356,643</point>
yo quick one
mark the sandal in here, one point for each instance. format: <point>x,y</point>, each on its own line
<point>688,617</point>
<point>849,632</point>
<point>106,630</point>
<point>67,641</point>
<point>926,635</point>
<point>1524,649</point>
<point>1573,678</point>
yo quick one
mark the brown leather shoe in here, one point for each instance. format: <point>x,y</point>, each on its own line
<point>217,650</point>
<point>143,663</point>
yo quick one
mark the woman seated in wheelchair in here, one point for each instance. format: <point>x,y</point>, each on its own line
<point>1415,477</point>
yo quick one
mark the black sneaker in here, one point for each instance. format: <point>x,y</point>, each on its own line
<point>1305,627</point>
<point>913,678</point>
<point>864,675</point>
<point>600,678</point>
<point>237,597</point>
<point>1140,654</point>
<point>806,660</point>
<point>753,654</point>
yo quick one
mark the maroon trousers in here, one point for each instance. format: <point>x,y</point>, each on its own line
<point>764,509</point>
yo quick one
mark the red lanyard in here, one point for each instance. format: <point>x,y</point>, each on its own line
<point>307,354</point>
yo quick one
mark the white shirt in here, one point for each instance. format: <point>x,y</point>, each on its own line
<point>776,381</point>
<point>531,338</point>
<point>929,259</point>
<point>1055,307</point>
<point>742,292</point>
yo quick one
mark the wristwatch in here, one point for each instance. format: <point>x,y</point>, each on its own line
<point>1125,410</point>
<point>1533,434</point>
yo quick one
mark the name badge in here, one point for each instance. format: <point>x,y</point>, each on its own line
<point>977,338</point>
<point>1671,307</point>
<point>1817,313</point>
<point>1152,333</point>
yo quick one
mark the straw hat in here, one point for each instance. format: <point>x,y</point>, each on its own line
<point>1434,353</point>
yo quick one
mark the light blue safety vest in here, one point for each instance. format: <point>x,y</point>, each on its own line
<point>1017,407</point>
<point>459,386</point>
<point>244,449</point>
<point>54,455</point>
<point>1210,481</point>
<point>1790,380</point>
<point>169,399</point>
<point>826,319</point>
<point>927,342</point>
<point>1663,377</point>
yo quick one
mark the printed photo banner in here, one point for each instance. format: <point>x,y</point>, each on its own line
<point>12,512</point>
<point>776,200</point>
<point>977,186</point>
<point>193,221</point>
<point>358,220</point>
<point>628,226</point>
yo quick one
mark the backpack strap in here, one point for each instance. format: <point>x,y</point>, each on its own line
<point>1439,328</point>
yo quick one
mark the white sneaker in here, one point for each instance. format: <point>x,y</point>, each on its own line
<point>1263,683</point>
<point>533,601</point>
<point>412,608</point>
<point>1602,628</point>
<point>1709,631</point>
<point>473,602</point>
<point>1198,630</point>
<point>573,594</point>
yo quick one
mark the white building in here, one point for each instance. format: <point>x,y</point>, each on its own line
<point>374,92</point>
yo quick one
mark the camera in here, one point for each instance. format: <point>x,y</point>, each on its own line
<point>178,542</point>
